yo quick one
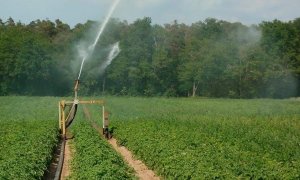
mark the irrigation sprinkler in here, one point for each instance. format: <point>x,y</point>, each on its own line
<point>67,112</point>
<point>67,109</point>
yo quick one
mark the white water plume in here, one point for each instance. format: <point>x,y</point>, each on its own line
<point>115,50</point>
<point>91,48</point>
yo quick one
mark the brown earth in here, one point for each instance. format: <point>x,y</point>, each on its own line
<point>142,171</point>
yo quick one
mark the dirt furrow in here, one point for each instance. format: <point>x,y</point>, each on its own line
<point>142,171</point>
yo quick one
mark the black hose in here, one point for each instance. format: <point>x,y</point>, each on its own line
<point>61,160</point>
<point>71,115</point>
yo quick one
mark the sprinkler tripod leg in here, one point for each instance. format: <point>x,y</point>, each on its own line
<point>106,133</point>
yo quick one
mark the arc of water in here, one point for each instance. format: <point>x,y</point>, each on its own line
<point>115,50</point>
<point>101,29</point>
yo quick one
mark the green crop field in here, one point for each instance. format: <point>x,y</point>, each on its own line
<point>28,136</point>
<point>211,138</point>
<point>178,138</point>
<point>94,158</point>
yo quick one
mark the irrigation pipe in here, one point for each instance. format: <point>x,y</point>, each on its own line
<point>61,160</point>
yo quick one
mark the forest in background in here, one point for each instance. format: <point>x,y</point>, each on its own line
<point>210,58</point>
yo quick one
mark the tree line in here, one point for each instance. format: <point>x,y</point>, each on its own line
<point>210,58</point>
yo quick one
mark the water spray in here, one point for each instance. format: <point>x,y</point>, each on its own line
<point>65,121</point>
<point>101,29</point>
<point>67,109</point>
<point>115,50</point>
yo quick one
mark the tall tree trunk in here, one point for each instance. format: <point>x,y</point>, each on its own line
<point>194,89</point>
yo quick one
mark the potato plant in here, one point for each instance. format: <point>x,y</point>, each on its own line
<point>93,157</point>
<point>211,138</point>
<point>178,138</point>
<point>28,136</point>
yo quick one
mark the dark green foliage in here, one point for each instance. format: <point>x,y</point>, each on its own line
<point>28,136</point>
<point>26,148</point>
<point>211,139</point>
<point>211,58</point>
<point>179,138</point>
<point>94,158</point>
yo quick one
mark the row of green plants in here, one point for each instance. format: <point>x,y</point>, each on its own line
<point>178,138</point>
<point>211,138</point>
<point>28,136</point>
<point>93,157</point>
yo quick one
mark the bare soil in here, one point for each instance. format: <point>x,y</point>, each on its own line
<point>142,171</point>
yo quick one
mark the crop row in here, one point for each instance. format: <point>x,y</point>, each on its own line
<point>93,157</point>
<point>28,135</point>
<point>26,148</point>
<point>178,138</point>
<point>205,138</point>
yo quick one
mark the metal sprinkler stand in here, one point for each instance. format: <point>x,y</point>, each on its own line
<point>105,130</point>
<point>66,121</point>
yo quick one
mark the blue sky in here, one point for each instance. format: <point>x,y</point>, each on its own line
<point>161,11</point>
